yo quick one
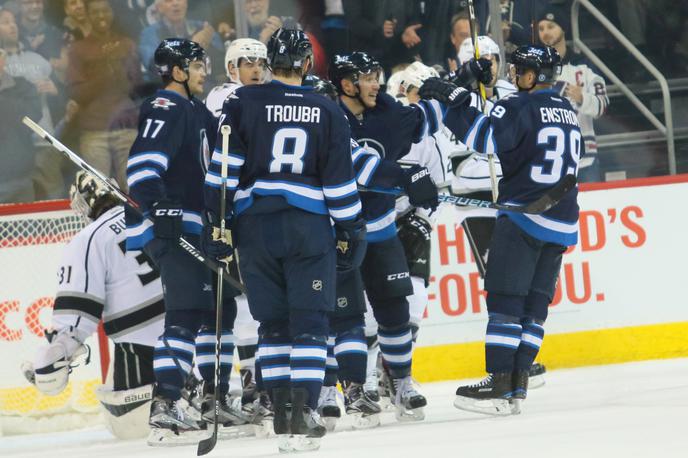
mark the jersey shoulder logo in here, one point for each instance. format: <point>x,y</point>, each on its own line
<point>162,102</point>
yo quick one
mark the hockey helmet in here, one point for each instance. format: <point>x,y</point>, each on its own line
<point>178,52</point>
<point>416,73</point>
<point>89,196</point>
<point>544,60</point>
<point>486,46</point>
<point>352,66</point>
<point>244,48</point>
<point>289,49</point>
<point>320,86</point>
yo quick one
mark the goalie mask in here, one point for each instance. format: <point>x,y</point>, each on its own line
<point>90,197</point>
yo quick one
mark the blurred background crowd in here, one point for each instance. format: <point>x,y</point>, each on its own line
<point>81,67</point>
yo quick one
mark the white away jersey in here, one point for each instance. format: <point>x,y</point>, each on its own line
<point>217,96</point>
<point>98,278</point>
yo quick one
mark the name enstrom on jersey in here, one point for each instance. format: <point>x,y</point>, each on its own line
<point>292,113</point>
<point>558,115</point>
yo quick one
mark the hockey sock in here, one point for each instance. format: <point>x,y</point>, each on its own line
<point>205,358</point>
<point>414,332</point>
<point>307,361</point>
<point>373,352</point>
<point>331,366</point>
<point>351,351</point>
<point>396,346</point>
<point>247,357</point>
<point>531,340</point>
<point>172,359</point>
<point>273,360</point>
<point>502,339</point>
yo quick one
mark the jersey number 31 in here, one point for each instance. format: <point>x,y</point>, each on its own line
<point>557,145</point>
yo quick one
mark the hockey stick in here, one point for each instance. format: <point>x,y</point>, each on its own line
<point>72,156</point>
<point>490,156</point>
<point>207,445</point>
<point>479,261</point>
<point>541,205</point>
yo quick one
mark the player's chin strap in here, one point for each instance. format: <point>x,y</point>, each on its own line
<point>185,83</point>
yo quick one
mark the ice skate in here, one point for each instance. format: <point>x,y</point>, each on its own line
<point>261,414</point>
<point>364,411</point>
<point>490,396</point>
<point>536,376</point>
<point>519,385</point>
<point>170,426</point>
<point>328,408</point>
<point>230,413</point>
<point>371,386</point>
<point>408,402</point>
<point>306,428</point>
<point>385,389</point>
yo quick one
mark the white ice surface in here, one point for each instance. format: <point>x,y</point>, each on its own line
<point>625,410</point>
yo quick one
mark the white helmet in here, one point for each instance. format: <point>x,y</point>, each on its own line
<point>244,48</point>
<point>416,73</point>
<point>393,84</point>
<point>486,46</point>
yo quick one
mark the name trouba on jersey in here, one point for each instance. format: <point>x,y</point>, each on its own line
<point>292,113</point>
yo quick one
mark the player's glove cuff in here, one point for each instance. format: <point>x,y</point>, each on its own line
<point>444,92</point>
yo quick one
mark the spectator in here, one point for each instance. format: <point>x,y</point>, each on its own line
<point>578,82</point>
<point>36,34</point>
<point>436,28</point>
<point>173,22</point>
<point>134,15</point>
<point>26,64</point>
<point>517,21</point>
<point>261,25</point>
<point>103,71</point>
<point>76,23</point>
<point>460,30</point>
<point>18,98</point>
<point>385,30</point>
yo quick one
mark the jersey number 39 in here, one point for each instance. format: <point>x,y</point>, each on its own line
<point>556,144</point>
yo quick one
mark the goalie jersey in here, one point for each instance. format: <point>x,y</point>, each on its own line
<point>168,160</point>
<point>98,279</point>
<point>538,140</point>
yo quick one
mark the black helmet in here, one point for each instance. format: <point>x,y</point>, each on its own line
<point>288,49</point>
<point>351,65</point>
<point>177,51</point>
<point>544,60</point>
<point>320,86</point>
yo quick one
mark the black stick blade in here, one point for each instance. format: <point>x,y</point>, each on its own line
<point>207,445</point>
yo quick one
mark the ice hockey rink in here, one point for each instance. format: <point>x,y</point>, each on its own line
<point>625,410</point>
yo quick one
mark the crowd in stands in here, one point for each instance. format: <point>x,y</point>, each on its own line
<point>81,67</point>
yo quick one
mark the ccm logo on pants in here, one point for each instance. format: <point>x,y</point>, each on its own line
<point>398,276</point>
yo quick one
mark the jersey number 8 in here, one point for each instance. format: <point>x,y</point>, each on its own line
<point>554,138</point>
<point>288,149</point>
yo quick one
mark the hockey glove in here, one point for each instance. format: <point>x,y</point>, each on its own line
<point>351,244</point>
<point>444,92</point>
<point>415,233</point>
<point>473,70</point>
<point>420,188</point>
<point>167,219</point>
<point>212,245</point>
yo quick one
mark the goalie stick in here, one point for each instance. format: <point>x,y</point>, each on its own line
<point>207,445</point>
<point>541,205</point>
<point>72,156</point>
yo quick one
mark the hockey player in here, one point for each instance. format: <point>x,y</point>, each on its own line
<point>537,137</point>
<point>578,82</point>
<point>385,128</point>
<point>166,170</point>
<point>99,279</point>
<point>245,63</point>
<point>289,172</point>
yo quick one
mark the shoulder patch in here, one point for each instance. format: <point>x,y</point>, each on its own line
<point>162,102</point>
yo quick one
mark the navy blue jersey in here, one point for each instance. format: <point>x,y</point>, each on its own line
<point>537,139</point>
<point>169,159</point>
<point>385,134</point>
<point>287,142</point>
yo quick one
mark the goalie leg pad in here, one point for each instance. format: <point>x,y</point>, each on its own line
<point>126,412</point>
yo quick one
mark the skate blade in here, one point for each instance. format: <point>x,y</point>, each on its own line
<point>330,423</point>
<point>360,421</point>
<point>536,381</point>
<point>235,432</point>
<point>498,407</point>
<point>160,437</point>
<point>515,406</point>
<point>295,443</point>
<point>406,415</point>
<point>264,429</point>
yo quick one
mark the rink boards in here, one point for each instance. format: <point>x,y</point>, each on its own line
<point>620,296</point>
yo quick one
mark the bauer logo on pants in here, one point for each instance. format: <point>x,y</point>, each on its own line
<point>317,285</point>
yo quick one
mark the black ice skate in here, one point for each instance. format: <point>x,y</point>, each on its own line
<point>328,409</point>
<point>365,412</point>
<point>371,386</point>
<point>261,415</point>
<point>306,426</point>
<point>170,425</point>
<point>249,393</point>
<point>230,413</point>
<point>489,396</point>
<point>519,385</point>
<point>537,376</point>
<point>408,402</point>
